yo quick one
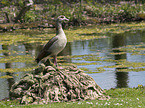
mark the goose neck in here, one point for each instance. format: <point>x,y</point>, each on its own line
<point>59,28</point>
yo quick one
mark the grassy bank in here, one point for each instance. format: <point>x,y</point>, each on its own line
<point>120,98</point>
<point>85,13</point>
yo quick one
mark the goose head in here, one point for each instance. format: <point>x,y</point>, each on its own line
<point>62,18</point>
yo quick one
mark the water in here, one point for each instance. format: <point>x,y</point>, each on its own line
<point>111,78</point>
<point>97,48</point>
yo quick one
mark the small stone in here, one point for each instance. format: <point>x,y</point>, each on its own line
<point>50,68</point>
<point>27,99</point>
<point>46,76</point>
<point>18,91</point>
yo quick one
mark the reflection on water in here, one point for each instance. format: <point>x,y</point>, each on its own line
<point>100,51</point>
<point>121,77</point>
<point>8,65</point>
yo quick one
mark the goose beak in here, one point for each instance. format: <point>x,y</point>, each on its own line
<point>66,19</point>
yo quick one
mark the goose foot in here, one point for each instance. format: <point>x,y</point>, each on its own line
<point>60,67</point>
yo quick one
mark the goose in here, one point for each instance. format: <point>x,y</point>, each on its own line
<point>56,44</point>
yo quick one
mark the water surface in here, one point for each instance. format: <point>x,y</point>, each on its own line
<point>115,61</point>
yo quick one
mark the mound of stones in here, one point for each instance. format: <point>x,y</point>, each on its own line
<point>50,84</point>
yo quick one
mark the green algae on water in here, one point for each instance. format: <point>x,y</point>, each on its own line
<point>35,36</point>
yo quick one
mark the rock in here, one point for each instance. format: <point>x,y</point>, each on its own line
<point>50,84</point>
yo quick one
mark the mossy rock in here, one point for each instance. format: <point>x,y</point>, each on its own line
<point>50,84</point>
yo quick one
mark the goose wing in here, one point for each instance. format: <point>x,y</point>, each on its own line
<point>45,51</point>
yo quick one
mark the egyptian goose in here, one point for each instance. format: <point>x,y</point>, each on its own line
<point>56,44</point>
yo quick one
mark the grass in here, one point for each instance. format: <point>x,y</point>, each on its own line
<point>79,14</point>
<point>120,98</point>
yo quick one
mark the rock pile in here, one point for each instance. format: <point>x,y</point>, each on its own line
<point>50,84</point>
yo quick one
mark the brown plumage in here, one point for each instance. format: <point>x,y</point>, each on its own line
<point>56,44</point>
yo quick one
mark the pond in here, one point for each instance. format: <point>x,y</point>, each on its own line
<point>114,61</point>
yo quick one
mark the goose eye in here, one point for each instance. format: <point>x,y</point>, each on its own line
<point>62,17</point>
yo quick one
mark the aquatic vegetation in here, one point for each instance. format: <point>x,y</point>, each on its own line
<point>100,69</point>
<point>6,76</point>
<point>117,53</point>
<point>85,69</point>
<point>79,33</point>
<point>120,65</point>
<point>12,70</point>
<point>92,58</point>
<point>35,37</point>
<point>133,49</point>
<point>18,58</point>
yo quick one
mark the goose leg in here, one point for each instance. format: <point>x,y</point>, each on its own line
<point>55,60</point>
<point>55,63</point>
